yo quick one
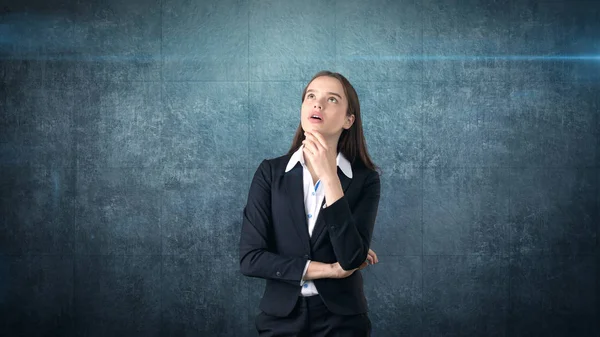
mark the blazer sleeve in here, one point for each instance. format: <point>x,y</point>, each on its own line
<point>350,232</point>
<point>255,258</point>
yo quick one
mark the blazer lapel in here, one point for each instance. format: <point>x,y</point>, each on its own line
<point>320,224</point>
<point>293,185</point>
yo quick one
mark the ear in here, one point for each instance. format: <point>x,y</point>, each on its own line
<point>349,122</point>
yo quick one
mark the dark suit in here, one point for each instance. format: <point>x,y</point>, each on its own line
<point>275,243</point>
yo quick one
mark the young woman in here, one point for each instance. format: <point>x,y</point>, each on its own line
<point>309,219</point>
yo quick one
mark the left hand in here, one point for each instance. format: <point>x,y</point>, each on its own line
<point>321,157</point>
<point>372,257</point>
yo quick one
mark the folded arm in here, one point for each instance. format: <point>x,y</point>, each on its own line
<point>350,232</point>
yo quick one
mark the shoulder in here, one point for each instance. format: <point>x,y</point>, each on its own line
<point>360,170</point>
<point>274,166</point>
<point>279,163</point>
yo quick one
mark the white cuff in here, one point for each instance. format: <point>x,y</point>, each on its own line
<point>302,281</point>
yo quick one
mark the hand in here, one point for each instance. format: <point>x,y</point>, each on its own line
<point>372,257</point>
<point>322,159</point>
<point>339,272</point>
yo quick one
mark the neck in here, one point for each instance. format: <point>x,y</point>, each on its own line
<point>332,143</point>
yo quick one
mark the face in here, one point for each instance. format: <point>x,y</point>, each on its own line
<point>325,98</point>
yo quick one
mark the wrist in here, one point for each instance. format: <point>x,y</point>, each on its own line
<point>331,273</point>
<point>333,190</point>
<point>318,270</point>
<point>328,179</point>
<point>329,270</point>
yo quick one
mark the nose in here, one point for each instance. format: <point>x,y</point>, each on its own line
<point>317,105</point>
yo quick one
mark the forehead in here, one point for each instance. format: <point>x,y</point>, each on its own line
<point>326,84</point>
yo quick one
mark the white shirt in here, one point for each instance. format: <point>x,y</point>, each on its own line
<point>314,194</point>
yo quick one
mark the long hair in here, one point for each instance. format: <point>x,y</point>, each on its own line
<point>352,141</point>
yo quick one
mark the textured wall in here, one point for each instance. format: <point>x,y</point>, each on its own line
<point>130,131</point>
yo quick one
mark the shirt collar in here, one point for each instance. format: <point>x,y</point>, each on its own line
<point>341,161</point>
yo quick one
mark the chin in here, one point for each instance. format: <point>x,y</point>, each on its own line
<point>316,128</point>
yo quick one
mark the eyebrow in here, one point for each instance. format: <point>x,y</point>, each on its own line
<point>331,93</point>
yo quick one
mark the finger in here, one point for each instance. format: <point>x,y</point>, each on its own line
<point>308,154</point>
<point>370,256</point>
<point>310,137</point>
<point>319,138</point>
<point>372,253</point>
<point>310,146</point>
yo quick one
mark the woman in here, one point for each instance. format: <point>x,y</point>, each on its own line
<point>308,222</point>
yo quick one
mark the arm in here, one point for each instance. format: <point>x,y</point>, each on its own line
<point>351,233</point>
<point>316,270</point>
<point>255,259</point>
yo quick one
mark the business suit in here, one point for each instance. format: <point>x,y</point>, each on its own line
<point>275,243</point>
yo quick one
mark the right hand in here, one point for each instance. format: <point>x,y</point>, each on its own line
<point>339,272</point>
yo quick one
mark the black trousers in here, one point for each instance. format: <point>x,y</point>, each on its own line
<point>311,317</point>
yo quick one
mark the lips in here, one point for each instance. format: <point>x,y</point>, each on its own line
<point>316,116</point>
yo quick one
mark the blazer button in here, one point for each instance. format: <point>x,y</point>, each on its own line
<point>306,256</point>
<point>278,274</point>
<point>332,227</point>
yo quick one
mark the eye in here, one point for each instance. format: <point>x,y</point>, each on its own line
<point>334,99</point>
<point>309,95</point>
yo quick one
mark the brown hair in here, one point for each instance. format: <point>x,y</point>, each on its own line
<point>352,141</point>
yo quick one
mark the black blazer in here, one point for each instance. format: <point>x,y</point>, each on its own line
<point>275,244</point>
